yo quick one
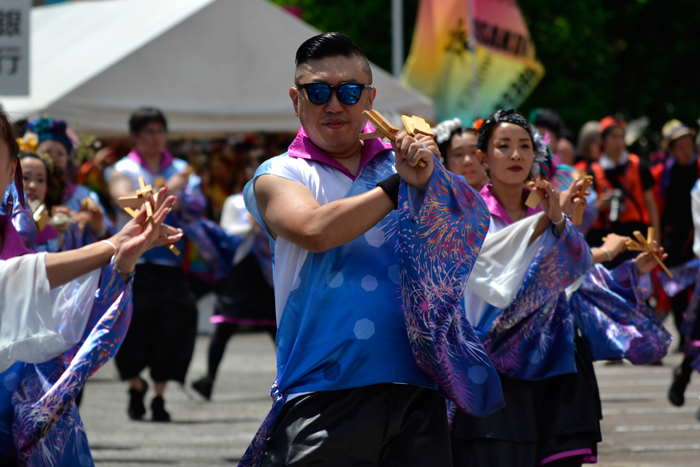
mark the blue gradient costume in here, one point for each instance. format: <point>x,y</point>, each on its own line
<point>342,324</point>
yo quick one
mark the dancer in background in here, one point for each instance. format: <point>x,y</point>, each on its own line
<point>245,297</point>
<point>675,179</point>
<point>516,302</point>
<point>684,276</point>
<point>42,188</point>
<point>54,141</point>
<point>164,326</point>
<point>458,146</point>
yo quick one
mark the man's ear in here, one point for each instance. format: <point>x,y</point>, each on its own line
<point>372,95</point>
<point>294,95</point>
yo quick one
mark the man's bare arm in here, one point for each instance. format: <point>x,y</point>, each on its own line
<point>290,211</point>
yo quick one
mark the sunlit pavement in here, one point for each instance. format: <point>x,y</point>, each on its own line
<point>640,427</point>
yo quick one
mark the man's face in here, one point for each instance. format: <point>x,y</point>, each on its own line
<point>333,127</point>
<point>682,149</point>
<point>151,140</point>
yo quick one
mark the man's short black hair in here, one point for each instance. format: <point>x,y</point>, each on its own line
<point>331,44</point>
<point>143,117</point>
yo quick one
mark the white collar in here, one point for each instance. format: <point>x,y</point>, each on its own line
<point>606,163</point>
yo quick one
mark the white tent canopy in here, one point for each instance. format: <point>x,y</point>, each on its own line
<point>212,66</point>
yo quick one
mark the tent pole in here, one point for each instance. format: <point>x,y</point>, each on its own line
<point>472,55</point>
<point>396,37</point>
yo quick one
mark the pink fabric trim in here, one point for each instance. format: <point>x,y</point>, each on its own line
<point>303,148</point>
<point>245,322</point>
<point>165,160</point>
<point>496,209</point>
<point>561,455</point>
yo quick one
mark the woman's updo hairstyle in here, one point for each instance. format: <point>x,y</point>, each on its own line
<point>496,118</point>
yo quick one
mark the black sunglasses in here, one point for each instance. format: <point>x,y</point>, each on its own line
<point>320,93</point>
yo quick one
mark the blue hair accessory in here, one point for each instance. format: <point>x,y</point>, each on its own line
<point>50,129</point>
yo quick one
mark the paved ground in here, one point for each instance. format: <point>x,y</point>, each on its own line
<point>641,429</point>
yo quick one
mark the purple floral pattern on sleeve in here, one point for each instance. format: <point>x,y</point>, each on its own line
<point>437,251</point>
<point>532,338</point>
<point>615,322</point>
<point>47,429</point>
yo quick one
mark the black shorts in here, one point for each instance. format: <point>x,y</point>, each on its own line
<point>385,425</point>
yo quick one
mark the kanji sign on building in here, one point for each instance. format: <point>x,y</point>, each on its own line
<point>14,47</point>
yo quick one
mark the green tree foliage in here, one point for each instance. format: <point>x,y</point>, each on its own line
<point>633,58</point>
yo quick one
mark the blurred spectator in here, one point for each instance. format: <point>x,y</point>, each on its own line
<point>549,124</point>
<point>588,145</point>
<point>674,180</point>
<point>565,149</point>
<point>91,171</point>
<point>626,200</point>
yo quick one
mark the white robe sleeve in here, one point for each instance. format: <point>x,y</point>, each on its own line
<point>503,261</point>
<point>695,203</point>
<point>36,323</point>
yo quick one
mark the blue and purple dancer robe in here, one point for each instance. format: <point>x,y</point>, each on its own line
<point>608,307</point>
<point>516,297</point>
<point>73,196</point>
<point>387,306</point>
<point>610,310</point>
<point>39,421</point>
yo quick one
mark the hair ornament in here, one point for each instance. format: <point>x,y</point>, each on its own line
<point>28,142</point>
<point>477,124</point>
<point>50,129</point>
<point>541,151</point>
<point>445,128</point>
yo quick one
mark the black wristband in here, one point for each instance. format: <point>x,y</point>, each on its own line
<point>391,186</point>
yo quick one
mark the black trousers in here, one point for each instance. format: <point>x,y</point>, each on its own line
<point>384,425</point>
<point>222,333</point>
<point>163,327</point>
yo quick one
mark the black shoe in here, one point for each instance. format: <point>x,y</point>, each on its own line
<point>158,409</point>
<point>204,386</point>
<point>136,408</point>
<point>676,393</point>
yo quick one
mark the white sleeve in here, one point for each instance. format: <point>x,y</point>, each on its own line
<point>233,220</point>
<point>503,261</point>
<point>36,323</point>
<point>695,202</point>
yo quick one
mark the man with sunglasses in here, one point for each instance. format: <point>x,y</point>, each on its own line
<point>328,205</point>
